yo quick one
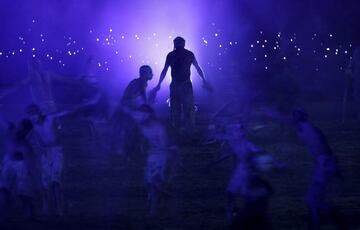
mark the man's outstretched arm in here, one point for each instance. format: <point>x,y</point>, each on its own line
<point>206,85</point>
<point>162,75</point>
<point>199,70</point>
<point>76,108</point>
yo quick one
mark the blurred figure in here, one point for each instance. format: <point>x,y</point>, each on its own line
<point>325,168</point>
<point>135,93</point>
<point>17,171</point>
<point>124,130</point>
<point>157,154</point>
<point>245,181</point>
<point>181,91</point>
<point>52,156</point>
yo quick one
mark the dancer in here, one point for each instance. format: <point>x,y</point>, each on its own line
<point>52,156</point>
<point>157,155</point>
<point>17,171</point>
<point>181,91</point>
<point>246,182</point>
<point>325,167</point>
<point>135,93</point>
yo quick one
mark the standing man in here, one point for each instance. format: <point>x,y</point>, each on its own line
<point>181,92</point>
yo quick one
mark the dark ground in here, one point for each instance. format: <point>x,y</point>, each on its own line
<point>102,191</point>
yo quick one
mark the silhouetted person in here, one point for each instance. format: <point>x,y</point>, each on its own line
<point>181,91</point>
<point>135,93</point>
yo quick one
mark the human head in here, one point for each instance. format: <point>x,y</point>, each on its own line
<point>179,42</point>
<point>34,112</point>
<point>145,71</point>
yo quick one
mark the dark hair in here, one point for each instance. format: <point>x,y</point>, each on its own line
<point>179,42</point>
<point>144,68</point>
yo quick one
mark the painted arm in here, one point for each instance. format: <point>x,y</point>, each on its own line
<point>276,163</point>
<point>14,88</point>
<point>279,116</point>
<point>74,109</point>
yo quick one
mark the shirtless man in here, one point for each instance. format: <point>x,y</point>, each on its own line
<point>245,181</point>
<point>135,93</point>
<point>181,91</point>
<point>325,168</point>
<point>51,156</point>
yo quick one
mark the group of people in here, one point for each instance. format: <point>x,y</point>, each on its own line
<point>33,155</point>
<point>247,183</point>
<point>33,158</point>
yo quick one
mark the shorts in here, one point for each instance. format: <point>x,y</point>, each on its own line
<point>52,162</point>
